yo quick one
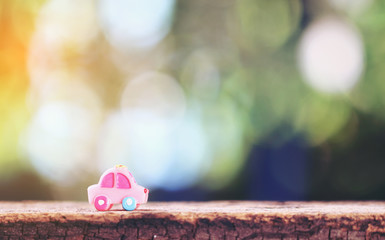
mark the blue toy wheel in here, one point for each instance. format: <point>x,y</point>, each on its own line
<point>129,203</point>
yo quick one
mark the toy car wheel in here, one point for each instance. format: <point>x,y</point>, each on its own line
<point>129,203</point>
<point>102,203</point>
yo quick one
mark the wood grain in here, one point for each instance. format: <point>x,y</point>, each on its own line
<point>194,220</point>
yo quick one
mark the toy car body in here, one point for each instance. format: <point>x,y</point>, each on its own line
<point>117,185</point>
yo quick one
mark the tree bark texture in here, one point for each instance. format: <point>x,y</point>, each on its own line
<point>194,220</point>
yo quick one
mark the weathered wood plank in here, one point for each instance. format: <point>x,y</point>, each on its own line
<point>195,220</point>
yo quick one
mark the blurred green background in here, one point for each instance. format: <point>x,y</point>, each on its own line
<point>202,100</point>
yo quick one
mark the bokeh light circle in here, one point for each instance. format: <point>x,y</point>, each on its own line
<point>130,24</point>
<point>331,55</point>
<point>201,75</point>
<point>62,22</point>
<point>266,25</point>
<point>153,93</point>
<point>352,7</point>
<point>60,140</point>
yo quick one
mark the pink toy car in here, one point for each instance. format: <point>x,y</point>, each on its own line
<point>117,185</point>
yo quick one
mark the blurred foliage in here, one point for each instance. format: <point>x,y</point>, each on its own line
<point>236,65</point>
<point>16,28</point>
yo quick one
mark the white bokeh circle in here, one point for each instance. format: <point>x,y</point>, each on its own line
<point>331,55</point>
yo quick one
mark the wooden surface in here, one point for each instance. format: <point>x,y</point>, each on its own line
<point>194,220</point>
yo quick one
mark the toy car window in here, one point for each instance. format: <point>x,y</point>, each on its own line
<point>132,177</point>
<point>122,181</point>
<point>108,181</point>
